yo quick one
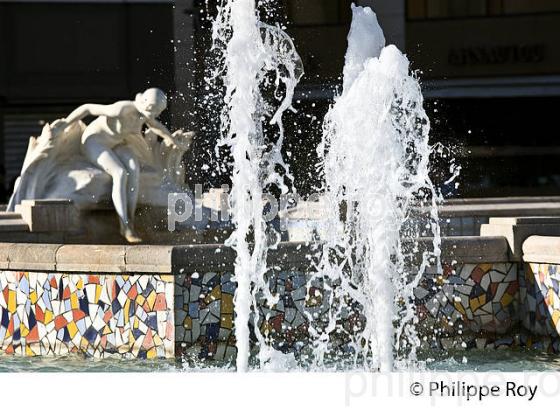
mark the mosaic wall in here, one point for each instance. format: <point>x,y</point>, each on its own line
<point>96,315</point>
<point>148,316</point>
<point>468,297</point>
<point>204,326</point>
<point>204,315</point>
<point>541,301</point>
<point>462,301</point>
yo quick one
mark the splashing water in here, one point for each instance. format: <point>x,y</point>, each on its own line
<point>254,57</point>
<point>375,159</point>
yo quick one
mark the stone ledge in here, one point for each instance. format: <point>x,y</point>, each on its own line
<point>499,209</point>
<point>542,249</point>
<point>218,258</point>
<point>33,256</point>
<point>86,258</point>
<point>471,249</point>
<point>91,258</point>
<point>149,259</point>
<point>517,230</point>
<point>25,256</point>
<point>5,255</point>
<point>207,257</point>
<point>477,248</point>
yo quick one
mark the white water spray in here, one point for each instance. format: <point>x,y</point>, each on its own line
<point>376,161</point>
<point>254,56</point>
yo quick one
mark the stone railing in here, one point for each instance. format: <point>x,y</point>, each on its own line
<point>466,216</point>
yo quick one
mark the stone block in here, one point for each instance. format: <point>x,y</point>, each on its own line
<point>148,259</point>
<point>517,230</point>
<point>37,257</point>
<point>542,249</point>
<point>4,255</point>
<point>468,249</point>
<point>52,215</point>
<point>91,258</point>
<point>12,222</point>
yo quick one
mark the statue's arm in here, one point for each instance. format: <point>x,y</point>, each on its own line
<point>179,138</point>
<point>96,110</point>
<point>161,130</point>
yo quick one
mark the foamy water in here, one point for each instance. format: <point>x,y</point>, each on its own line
<point>375,154</point>
<point>375,159</point>
<point>254,56</point>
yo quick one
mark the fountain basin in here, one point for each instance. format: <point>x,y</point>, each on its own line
<point>165,301</point>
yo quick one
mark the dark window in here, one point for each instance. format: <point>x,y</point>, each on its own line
<point>435,9</point>
<point>319,12</point>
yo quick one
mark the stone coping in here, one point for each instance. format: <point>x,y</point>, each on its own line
<point>501,200</point>
<point>525,220</point>
<point>460,207</point>
<point>471,249</point>
<point>146,259</point>
<point>84,258</point>
<point>542,249</point>
<point>517,230</point>
<point>162,259</point>
<point>500,209</point>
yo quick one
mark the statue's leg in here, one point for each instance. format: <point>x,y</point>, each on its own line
<point>127,157</point>
<point>107,160</point>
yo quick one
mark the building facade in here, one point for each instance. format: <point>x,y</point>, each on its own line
<point>56,55</point>
<point>490,70</point>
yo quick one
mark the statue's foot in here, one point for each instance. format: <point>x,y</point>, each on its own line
<point>131,236</point>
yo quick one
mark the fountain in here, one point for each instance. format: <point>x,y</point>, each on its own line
<point>252,50</point>
<point>375,161</point>
<point>372,287</point>
<point>375,154</point>
<point>380,108</point>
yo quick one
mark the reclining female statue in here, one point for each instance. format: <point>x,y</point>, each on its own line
<point>111,143</point>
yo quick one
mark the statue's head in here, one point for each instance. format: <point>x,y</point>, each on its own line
<point>151,102</point>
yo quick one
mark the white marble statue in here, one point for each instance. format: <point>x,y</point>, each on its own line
<point>118,154</point>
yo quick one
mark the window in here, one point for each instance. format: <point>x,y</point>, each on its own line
<point>435,9</point>
<point>530,6</point>
<point>319,12</point>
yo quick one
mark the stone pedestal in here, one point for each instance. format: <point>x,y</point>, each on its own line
<point>59,221</point>
<point>47,215</point>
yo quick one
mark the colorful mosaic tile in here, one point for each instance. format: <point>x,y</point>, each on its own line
<point>204,315</point>
<point>468,297</point>
<point>467,306</point>
<point>541,301</point>
<point>204,326</point>
<point>285,325</point>
<point>96,315</point>
<point>193,314</point>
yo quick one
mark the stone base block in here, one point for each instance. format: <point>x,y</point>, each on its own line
<point>49,215</point>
